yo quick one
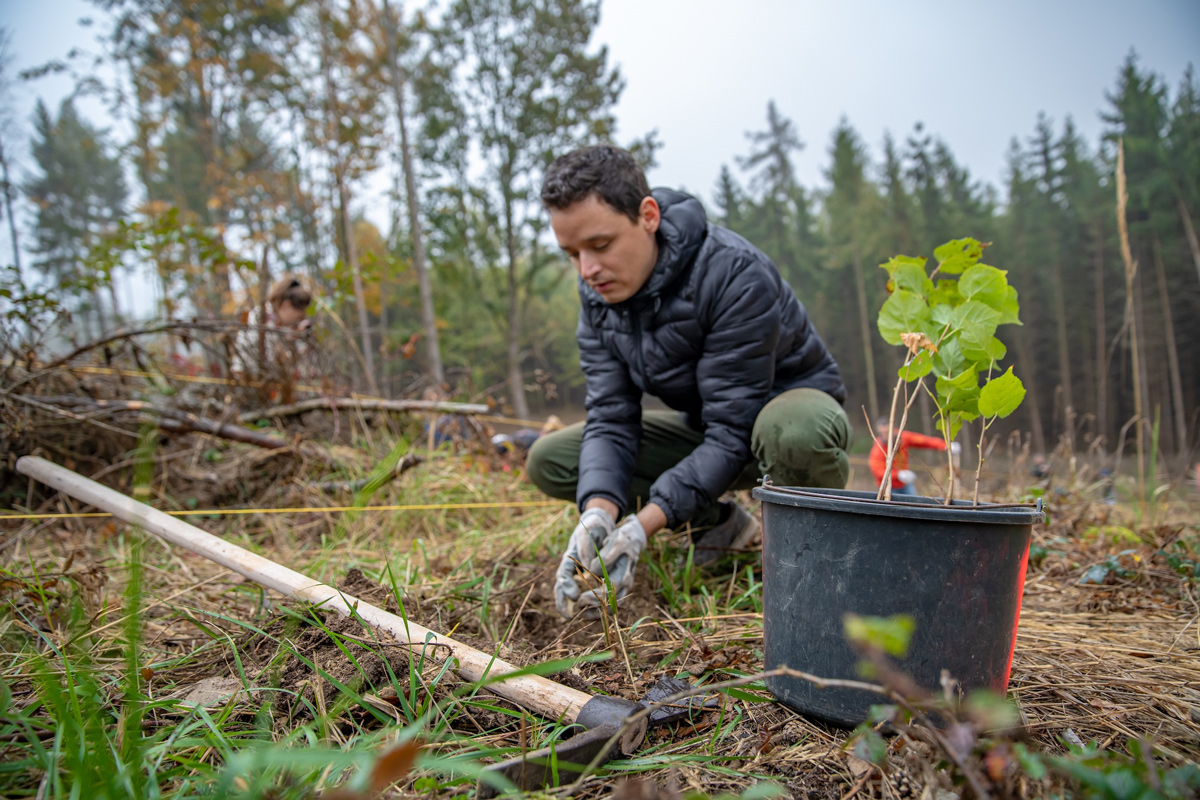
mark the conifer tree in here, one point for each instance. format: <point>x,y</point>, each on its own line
<point>852,209</point>
<point>78,193</point>
<point>779,213</point>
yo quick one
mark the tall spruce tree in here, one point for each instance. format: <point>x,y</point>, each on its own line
<point>730,200</point>
<point>899,212</point>
<point>1183,156</point>
<point>1016,249</point>
<point>779,215</point>
<point>1139,117</point>
<point>78,194</point>
<point>852,210</point>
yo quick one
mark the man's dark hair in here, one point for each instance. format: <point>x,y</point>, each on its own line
<point>609,172</point>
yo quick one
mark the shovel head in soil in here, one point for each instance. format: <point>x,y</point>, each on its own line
<point>601,732</point>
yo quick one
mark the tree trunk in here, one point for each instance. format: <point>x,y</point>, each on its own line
<point>1101,339</point>
<point>516,380</point>
<point>433,351</point>
<point>343,200</point>
<point>360,300</point>
<point>1188,229</point>
<point>1064,350</point>
<point>1143,371</point>
<point>865,328</point>
<point>1130,316</point>
<point>1180,417</point>
<point>1031,384</point>
<point>116,303</point>
<point>8,210</point>
<point>98,310</point>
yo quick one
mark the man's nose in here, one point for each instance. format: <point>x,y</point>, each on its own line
<point>589,265</point>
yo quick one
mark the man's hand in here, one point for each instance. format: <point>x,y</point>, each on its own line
<point>594,529</point>
<point>620,555</point>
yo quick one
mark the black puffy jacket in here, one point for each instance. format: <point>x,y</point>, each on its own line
<point>715,333</point>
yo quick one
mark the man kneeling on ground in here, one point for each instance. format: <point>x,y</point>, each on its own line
<point>686,311</point>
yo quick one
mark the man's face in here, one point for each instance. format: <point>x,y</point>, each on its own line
<point>612,253</point>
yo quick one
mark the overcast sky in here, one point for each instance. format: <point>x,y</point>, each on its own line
<point>701,71</point>
<point>976,73</point>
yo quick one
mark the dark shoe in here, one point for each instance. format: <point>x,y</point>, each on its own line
<point>733,531</point>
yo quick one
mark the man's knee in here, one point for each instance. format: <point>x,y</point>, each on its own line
<point>553,464</point>
<point>801,438</point>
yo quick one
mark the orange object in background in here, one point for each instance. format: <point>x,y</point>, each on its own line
<point>878,458</point>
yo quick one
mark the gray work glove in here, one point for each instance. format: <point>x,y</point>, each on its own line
<point>594,528</point>
<point>620,553</point>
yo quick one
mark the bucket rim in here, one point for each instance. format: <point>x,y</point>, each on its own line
<point>912,507</point>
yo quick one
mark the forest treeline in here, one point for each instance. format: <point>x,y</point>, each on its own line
<point>249,137</point>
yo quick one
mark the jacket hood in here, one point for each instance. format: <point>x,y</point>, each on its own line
<point>681,233</point>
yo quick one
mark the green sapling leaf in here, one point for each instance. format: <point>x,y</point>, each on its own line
<point>957,254</point>
<point>983,352</point>
<point>908,273</point>
<point>896,262</point>
<point>902,313</point>
<point>974,317</point>
<point>967,379</point>
<point>1001,395</point>
<point>919,367</point>
<point>942,315</point>
<point>1010,308</point>
<point>985,284</point>
<point>949,359</point>
<point>946,294</point>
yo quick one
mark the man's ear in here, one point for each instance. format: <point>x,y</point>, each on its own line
<point>649,215</point>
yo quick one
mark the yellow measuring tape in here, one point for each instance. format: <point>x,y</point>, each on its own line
<point>328,509</point>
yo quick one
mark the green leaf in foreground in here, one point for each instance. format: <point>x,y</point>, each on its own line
<point>890,634</point>
<point>1001,395</point>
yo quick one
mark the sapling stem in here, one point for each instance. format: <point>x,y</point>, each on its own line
<point>950,484</point>
<point>907,405</point>
<point>885,485</point>
<point>979,461</point>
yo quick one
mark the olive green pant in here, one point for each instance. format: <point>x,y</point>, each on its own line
<point>799,439</point>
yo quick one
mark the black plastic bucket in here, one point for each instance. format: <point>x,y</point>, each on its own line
<point>958,570</point>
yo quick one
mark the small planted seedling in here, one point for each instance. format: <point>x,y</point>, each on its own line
<point>946,320</point>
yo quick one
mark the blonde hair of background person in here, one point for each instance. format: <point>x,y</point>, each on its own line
<point>286,307</point>
<point>288,300</point>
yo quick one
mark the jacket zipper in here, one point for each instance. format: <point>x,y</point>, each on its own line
<point>637,347</point>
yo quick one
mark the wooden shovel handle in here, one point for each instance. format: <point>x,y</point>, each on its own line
<point>550,699</point>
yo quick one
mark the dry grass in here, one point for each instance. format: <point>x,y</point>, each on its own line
<point>1107,662</point>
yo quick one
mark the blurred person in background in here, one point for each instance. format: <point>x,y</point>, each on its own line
<point>275,340</point>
